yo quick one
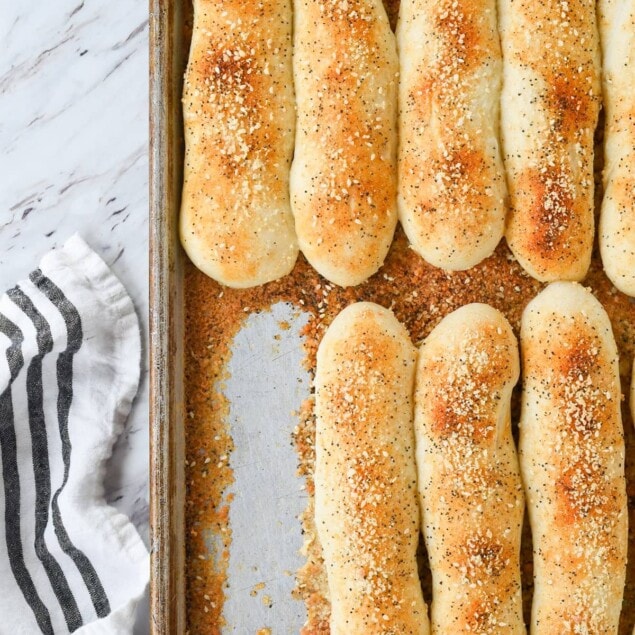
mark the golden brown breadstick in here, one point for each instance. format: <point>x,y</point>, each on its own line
<point>572,462</point>
<point>549,110</point>
<point>617,220</point>
<point>451,179</point>
<point>366,509</point>
<point>469,481</point>
<point>239,116</point>
<point>343,178</point>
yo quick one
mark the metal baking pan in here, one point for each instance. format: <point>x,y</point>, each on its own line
<point>267,493</point>
<point>226,498</point>
<point>167,490</point>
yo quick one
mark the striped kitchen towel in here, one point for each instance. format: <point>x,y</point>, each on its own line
<point>69,370</point>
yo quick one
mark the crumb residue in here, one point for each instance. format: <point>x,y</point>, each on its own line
<point>257,588</point>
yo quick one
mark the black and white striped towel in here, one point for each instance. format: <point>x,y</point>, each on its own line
<point>69,370</point>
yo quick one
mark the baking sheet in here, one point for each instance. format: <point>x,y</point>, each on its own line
<point>266,388</point>
<point>228,377</point>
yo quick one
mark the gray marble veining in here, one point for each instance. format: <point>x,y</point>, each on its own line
<point>74,158</point>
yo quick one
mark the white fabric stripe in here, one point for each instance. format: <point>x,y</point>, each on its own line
<point>73,577</point>
<point>5,373</point>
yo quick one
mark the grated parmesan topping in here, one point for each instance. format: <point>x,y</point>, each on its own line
<point>232,85</point>
<point>556,102</point>
<point>575,463</point>
<point>471,493</point>
<point>368,460</point>
<point>451,172</point>
<point>239,127</point>
<point>346,81</point>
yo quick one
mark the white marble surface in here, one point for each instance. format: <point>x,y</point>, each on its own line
<point>74,158</point>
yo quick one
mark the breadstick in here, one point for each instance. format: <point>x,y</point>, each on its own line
<point>366,509</point>
<point>617,219</point>
<point>572,462</point>
<point>343,178</point>
<point>451,180</point>
<point>239,117</point>
<point>469,481</point>
<point>549,110</point>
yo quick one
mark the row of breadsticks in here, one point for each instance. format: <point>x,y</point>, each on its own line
<point>294,139</point>
<point>452,469</point>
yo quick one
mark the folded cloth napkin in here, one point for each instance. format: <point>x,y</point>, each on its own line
<point>69,370</point>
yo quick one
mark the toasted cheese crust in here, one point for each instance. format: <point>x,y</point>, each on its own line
<point>343,178</point>
<point>236,223</point>
<point>572,462</point>
<point>451,180</point>
<point>617,219</point>
<point>549,110</point>
<point>469,481</point>
<point>366,510</point>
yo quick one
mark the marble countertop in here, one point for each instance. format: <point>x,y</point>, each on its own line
<point>74,158</point>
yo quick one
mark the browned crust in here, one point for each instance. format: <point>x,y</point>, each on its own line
<point>239,128</point>
<point>451,181</point>
<point>366,508</point>
<point>556,75</point>
<point>343,181</point>
<point>572,456</point>
<point>469,480</point>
